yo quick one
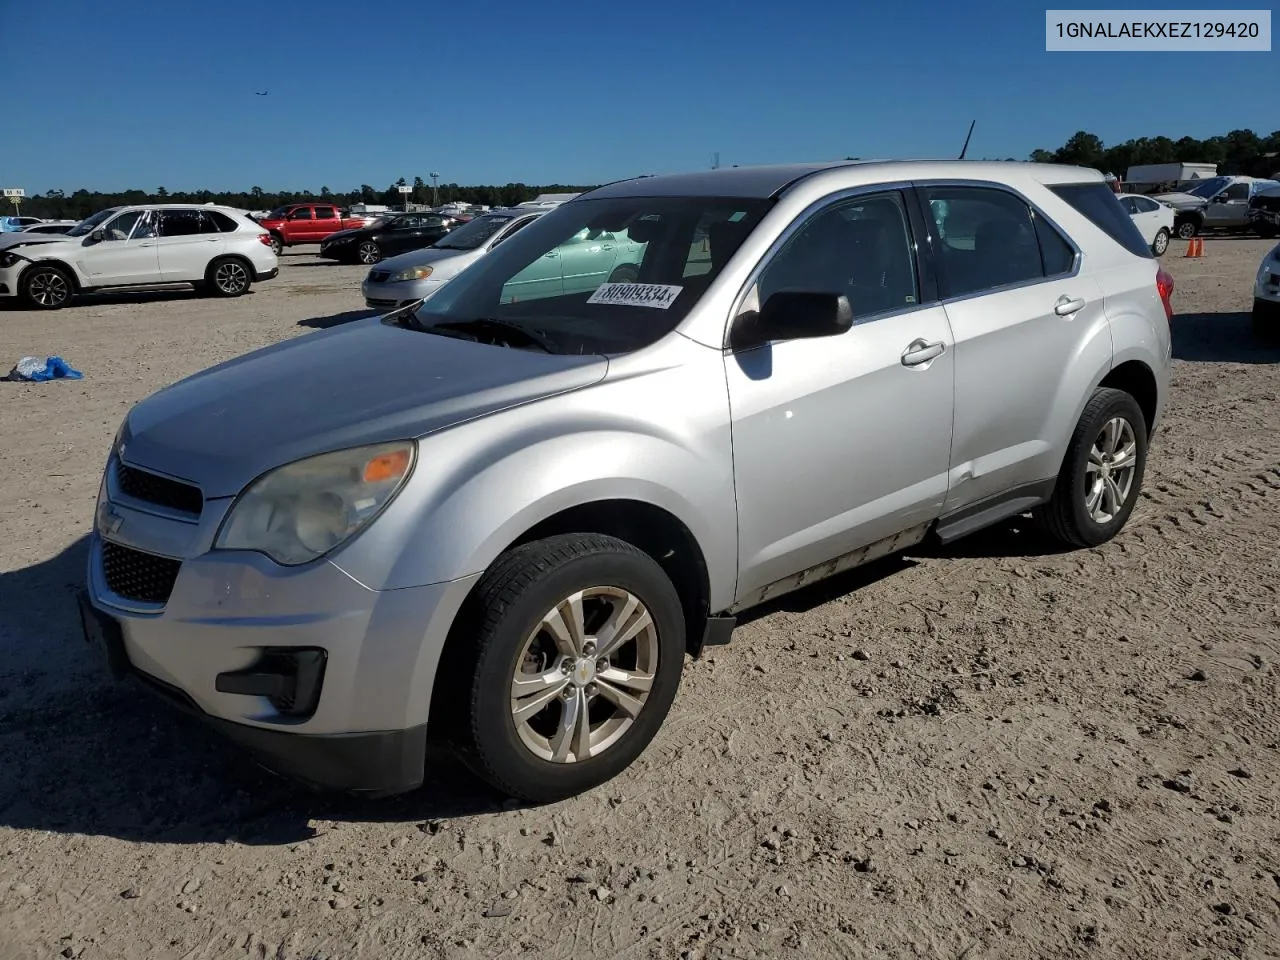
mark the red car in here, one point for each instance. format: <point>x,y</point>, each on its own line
<point>296,223</point>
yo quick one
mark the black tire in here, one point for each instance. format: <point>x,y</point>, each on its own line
<point>1066,517</point>
<point>1187,227</point>
<point>1266,231</point>
<point>625,273</point>
<point>368,252</point>
<point>1161,242</point>
<point>1266,321</point>
<point>228,277</point>
<point>508,604</point>
<point>277,244</point>
<point>46,287</point>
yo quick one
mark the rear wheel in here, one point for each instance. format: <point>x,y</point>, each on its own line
<point>368,252</point>
<point>227,277</point>
<point>1266,230</point>
<point>46,287</point>
<point>277,244</point>
<point>1161,243</point>
<point>1101,474</point>
<point>625,273</point>
<point>570,662</point>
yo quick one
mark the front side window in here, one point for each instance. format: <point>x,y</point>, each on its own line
<point>122,227</point>
<point>988,238</point>
<point>1237,191</point>
<point>537,281</point>
<point>860,247</point>
<point>303,214</point>
<point>477,233</point>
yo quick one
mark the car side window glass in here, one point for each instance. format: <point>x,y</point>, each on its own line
<point>1056,254</point>
<point>1130,204</point>
<point>1237,191</point>
<point>860,247</point>
<point>180,223</point>
<point>1146,206</point>
<point>221,222</point>
<point>325,213</point>
<point>988,238</point>
<point>512,230</point>
<point>119,228</point>
<point>303,214</point>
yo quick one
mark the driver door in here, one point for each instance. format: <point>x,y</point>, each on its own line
<point>840,442</point>
<point>1230,208</point>
<point>127,255</point>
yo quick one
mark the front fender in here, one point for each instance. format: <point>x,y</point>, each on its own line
<point>660,437</point>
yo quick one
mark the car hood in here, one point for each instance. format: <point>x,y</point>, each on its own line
<point>8,240</point>
<point>366,382</point>
<point>1182,201</point>
<point>444,263</point>
<point>339,235</point>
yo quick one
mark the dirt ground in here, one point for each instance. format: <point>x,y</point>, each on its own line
<point>991,751</point>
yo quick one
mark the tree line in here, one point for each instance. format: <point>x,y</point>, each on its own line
<point>1237,152</point>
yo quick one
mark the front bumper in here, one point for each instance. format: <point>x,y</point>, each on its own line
<point>1267,285</point>
<point>9,279</point>
<point>189,617</point>
<point>388,295</point>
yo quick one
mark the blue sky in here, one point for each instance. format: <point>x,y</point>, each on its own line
<point>144,94</point>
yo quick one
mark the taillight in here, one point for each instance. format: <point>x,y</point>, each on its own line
<point>1164,286</point>
<point>264,239</point>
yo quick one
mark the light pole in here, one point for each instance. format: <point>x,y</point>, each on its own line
<point>435,189</point>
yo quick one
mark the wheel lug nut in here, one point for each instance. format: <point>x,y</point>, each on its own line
<point>588,648</point>
<point>567,694</point>
<point>591,690</point>
<point>566,665</point>
<point>602,664</point>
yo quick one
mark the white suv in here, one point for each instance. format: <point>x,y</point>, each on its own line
<point>214,249</point>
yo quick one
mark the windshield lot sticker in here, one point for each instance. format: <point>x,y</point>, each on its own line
<point>659,295</point>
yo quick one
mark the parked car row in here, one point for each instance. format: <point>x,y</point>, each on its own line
<point>213,249</point>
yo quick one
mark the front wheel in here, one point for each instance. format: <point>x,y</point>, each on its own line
<point>1101,474</point>
<point>1161,243</point>
<point>46,287</point>
<point>227,277</point>
<point>570,662</point>
<point>1187,229</point>
<point>1266,231</point>
<point>625,273</point>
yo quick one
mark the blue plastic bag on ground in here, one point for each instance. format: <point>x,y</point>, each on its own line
<point>50,368</point>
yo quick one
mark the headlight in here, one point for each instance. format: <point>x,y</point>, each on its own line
<point>413,273</point>
<point>8,259</point>
<point>303,510</point>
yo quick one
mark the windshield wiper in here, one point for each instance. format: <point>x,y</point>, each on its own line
<point>494,325</point>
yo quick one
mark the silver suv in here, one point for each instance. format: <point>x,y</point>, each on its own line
<point>504,515</point>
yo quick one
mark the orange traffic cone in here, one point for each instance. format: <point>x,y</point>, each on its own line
<point>1195,247</point>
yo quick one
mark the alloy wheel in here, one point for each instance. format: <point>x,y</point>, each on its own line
<point>231,277</point>
<point>369,252</point>
<point>584,674</point>
<point>1109,472</point>
<point>49,289</point>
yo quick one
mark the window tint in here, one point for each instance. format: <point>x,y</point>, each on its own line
<point>518,226</point>
<point>1096,202</point>
<point>1056,255</point>
<point>302,214</point>
<point>1130,204</point>
<point>861,248</point>
<point>181,223</point>
<point>221,222</point>
<point>326,213</point>
<point>988,238</point>
<point>1144,205</point>
<point>1237,191</point>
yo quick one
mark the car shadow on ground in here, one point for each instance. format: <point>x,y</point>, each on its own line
<point>337,319</point>
<point>85,755</point>
<point>1225,337</point>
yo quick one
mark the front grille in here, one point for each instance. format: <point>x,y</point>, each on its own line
<point>163,492</point>
<point>379,276</point>
<point>139,576</point>
<point>380,304</point>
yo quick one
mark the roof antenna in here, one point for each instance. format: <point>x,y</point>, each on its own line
<point>965,148</point>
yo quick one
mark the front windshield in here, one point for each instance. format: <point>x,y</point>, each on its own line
<point>277,214</point>
<point>1207,189</point>
<point>598,276</point>
<point>475,233</point>
<point>86,227</point>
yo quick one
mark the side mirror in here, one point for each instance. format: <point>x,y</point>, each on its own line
<point>1220,198</point>
<point>793,315</point>
<point>98,235</point>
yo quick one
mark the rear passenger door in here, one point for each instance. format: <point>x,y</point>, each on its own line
<point>326,222</point>
<point>1025,320</point>
<point>188,241</point>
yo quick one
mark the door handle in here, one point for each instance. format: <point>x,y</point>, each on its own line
<point>143,246</point>
<point>607,246</point>
<point>921,351</point>
<point>1066,305</point>
<point>550,256</point>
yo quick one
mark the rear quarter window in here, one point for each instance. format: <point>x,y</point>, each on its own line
<point>1096,202</point>
<point>224,223</point>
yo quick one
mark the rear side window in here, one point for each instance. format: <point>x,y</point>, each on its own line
<point>992,238</point>
<point>221,221</point>
<point>1096,202</point>
<point>326,213</point>
<point>181,223</point>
